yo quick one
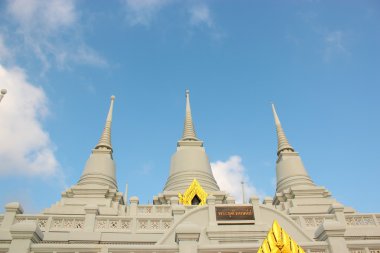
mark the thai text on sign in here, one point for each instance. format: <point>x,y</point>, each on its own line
<point>234,213</point>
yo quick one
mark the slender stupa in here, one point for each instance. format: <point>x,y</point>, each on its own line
<point>97,187</point>
<point>290,169</point>
<point>189,162</point>
<point>296,193</point>
<point>100,167</point>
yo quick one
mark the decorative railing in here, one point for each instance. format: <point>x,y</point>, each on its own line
<point>58,223</point>
<point>357,250</point>
<point>360,220</point>
<point>315,221</point>
<point>67,223</point>
<point>153,224</point>
<point>151,210</point>
<point>317,251</point>
<point>112,224</point>
<point>190,207</point>
<point>41,220</point>
<point>364,250</point>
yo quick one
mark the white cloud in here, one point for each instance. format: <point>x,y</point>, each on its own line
<point>200,15</point>
<point>50,31</point>
<point>25,147</point>
<point>334,44</point>
<point>229,175</point>
<point>141,12</point>
<point>47,16</point>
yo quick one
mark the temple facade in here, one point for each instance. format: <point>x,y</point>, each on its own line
<point>191,214</point>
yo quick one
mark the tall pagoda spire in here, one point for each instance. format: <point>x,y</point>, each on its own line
<point>293,181</point>
<point>189,162</point>
<point>283,143</point>
<point>100,167</point>
<point>290,170</point>
<point>105,138</point>
<point>188,131</point>
<point>97,185</point>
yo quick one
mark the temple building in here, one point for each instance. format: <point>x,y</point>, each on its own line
<point>191,214</point>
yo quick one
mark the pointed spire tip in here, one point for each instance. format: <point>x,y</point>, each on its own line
<point>188,132</point>
<point>105,138</point>
<point>282,141</point>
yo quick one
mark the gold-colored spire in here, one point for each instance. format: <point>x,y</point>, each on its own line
<point>105,139</point>
<point>188,131</point>
<point>279,241</point>
<point>283,143</point>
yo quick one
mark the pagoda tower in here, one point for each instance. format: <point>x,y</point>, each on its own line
<point>189,162</point>
<point>296,193</point>
<point>97,187</point>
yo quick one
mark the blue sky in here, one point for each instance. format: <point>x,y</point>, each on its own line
<point>318,61</point>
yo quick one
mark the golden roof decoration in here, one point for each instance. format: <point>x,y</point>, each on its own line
<point>194,192</point>
<point>278,241</point>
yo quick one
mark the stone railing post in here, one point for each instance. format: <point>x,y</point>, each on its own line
<point>23,235</point>
<point>187,237</point>
<point>211,201</point>
<point>90,217</point>
<point>333,233</point>
<point>338,209</point>
<point>230,200</point>
<point>134,201</point>
<point>255,201</point>
<point>177,210</point>
<point>11,209</point>
<point>268,201</point>
<point>174,201</point>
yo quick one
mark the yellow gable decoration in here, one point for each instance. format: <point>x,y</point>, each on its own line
<point>193,195</point>
<point>278,241</point>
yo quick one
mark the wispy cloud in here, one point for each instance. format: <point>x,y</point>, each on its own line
<point>200,15</point>
<point>47,16</point>
<point>146,169</point>
<point>49,29</point>
<point>5,52</point>
<point>334,45</point>
<point>26,147</point>
<point>142,12</point>
<point>201,19</point>
<point>229,175</point>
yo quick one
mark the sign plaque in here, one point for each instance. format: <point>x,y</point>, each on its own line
<point>234,213</point>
